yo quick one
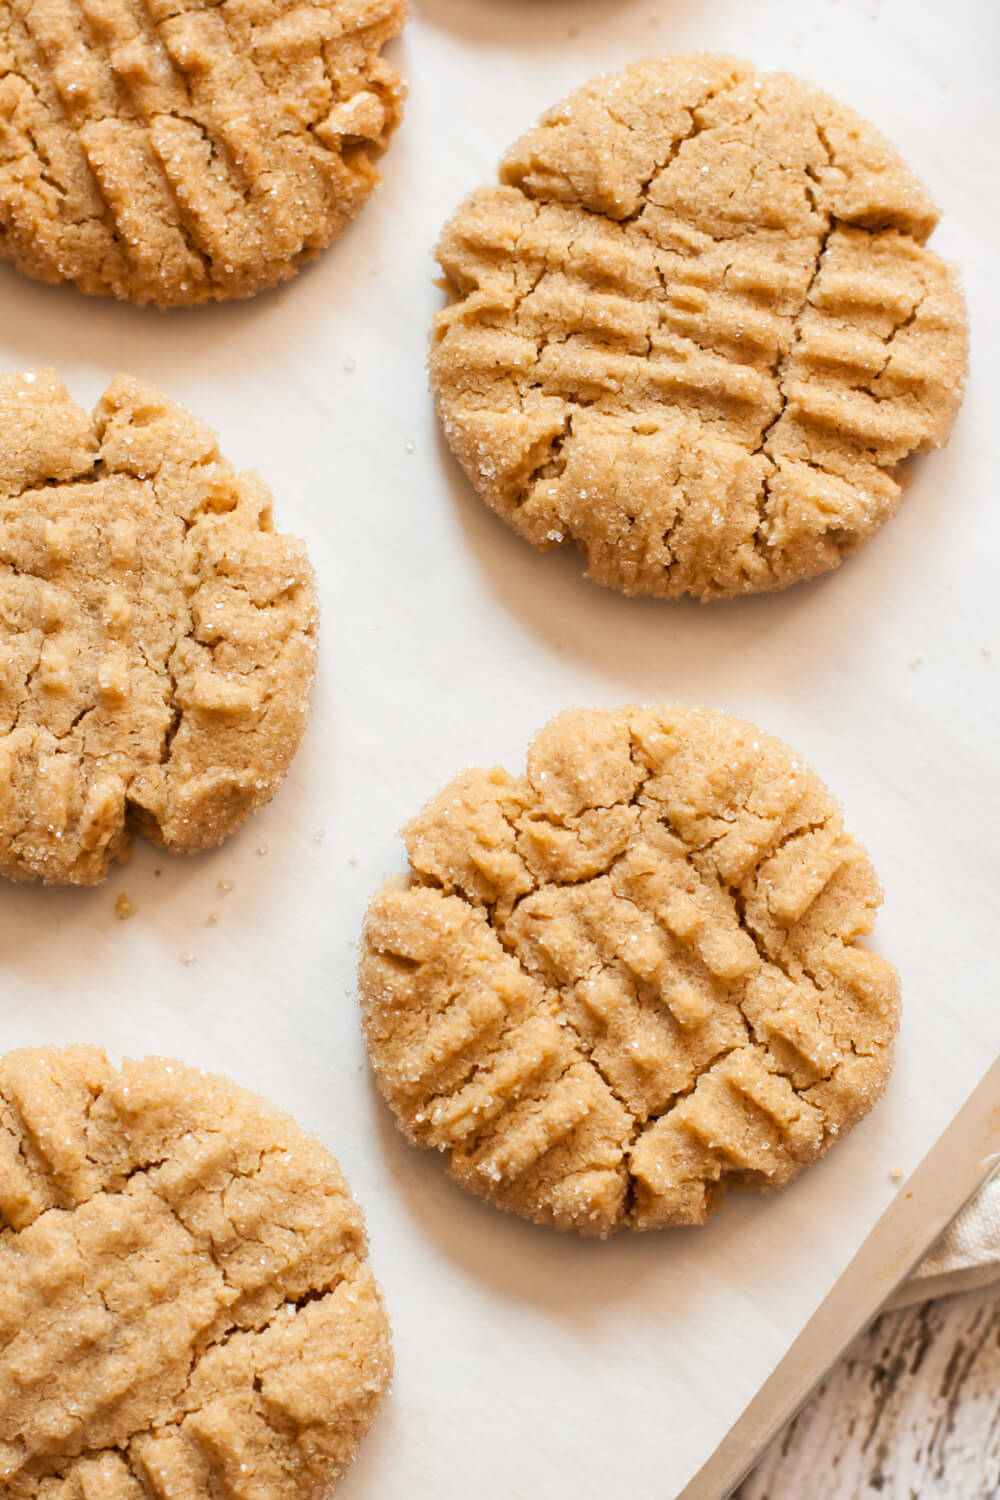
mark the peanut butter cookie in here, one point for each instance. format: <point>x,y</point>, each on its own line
<point>157,637</point>
<point>629,979</point>
<point>175,151</point>
<point>695,330</point>
<point>187,1306</point>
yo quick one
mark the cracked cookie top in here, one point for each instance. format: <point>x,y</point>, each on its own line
<point>187,1307</point>
<point>157,637</point>
<point>629,979</point>
<point>175,151</point>
<point>695,330</point>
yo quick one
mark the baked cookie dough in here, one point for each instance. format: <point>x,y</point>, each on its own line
<point>187,1305</point>
<point>157,637</point>
<point>627,980</point>
<point>695,330</point>
<point>178,152</point>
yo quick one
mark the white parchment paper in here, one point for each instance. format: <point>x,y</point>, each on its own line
<point>530,1364</point>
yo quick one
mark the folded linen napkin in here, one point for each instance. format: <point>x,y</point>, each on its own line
<point>967,1255</point>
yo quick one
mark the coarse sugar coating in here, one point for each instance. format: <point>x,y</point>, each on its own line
<point>187,1306</point>
<point>178,151</point>
<point>157,636</point>
<point>695,330</point>
<point>629,979</point>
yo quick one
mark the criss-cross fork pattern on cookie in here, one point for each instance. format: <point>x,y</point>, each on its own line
<point>187,1307</point>
<point>628,979</point>
<point>695,330</point>
<point>174,151</point>
<point>157,637</point>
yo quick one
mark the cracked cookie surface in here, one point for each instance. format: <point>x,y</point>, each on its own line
<point>695,331</point>
<point>187,1307</point>
<point>629,979</point>
<point>157,637</point>
<point>177,151</point>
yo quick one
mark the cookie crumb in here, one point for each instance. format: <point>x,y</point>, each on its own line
<point>410,447</point>
<point>187,958</point>
<point>213,917</point>
<point>350,365</point>
<point>896,1174</point>
<point>916,660</point>
<point>319,835</point>
<point>353,861</point>
<point>226,885</point>
<point>261,849</point>
<point>986,649</point>
<point>157,873</point>
<point>124,908</point>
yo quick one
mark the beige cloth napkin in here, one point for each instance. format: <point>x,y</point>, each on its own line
<point>967,1255</point>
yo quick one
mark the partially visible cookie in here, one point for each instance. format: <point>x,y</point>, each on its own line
<point>176,153</point>
<point>157,636</point>
<point>187,1306</point>
<point>695,330</point>
<point>629,979</point>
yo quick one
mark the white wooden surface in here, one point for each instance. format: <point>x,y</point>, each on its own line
<point>912,1412</point>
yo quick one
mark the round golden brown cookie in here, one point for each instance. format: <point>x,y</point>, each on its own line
<point>627,980</point>
<point>695,330</point>
<point>187,1305</point>
<point>157,637</point>
<point>174,151</point>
